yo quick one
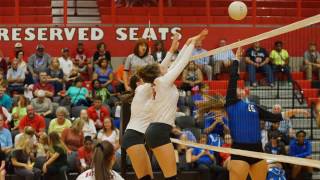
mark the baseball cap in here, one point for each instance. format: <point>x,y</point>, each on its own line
<point>18,45</point>
<point>39,46</point>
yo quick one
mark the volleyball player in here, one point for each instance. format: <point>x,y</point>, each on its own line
<point>103,160</point>
<point>133,139</point>
<point>164,105</point>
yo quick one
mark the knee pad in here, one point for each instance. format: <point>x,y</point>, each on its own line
<point>147,177</point>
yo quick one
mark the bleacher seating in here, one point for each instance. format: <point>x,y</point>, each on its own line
<point>31,12</point>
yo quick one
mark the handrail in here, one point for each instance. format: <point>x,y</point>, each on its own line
<point>296,86</point>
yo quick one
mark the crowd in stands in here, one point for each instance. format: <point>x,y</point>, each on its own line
<point>54,109</point>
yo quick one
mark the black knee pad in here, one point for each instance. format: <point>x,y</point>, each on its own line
<point>147,177</point>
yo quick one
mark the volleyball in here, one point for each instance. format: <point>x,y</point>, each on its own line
<point>237,10</point>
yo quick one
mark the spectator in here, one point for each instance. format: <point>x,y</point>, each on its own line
<point>38,62</point>
<point>73,77</point>
<point>183,154</point>
<point>274,129</point>
<point>3,81</point>
<point>226,157</point>
<point>102,92</point>
<point>5,99</point>
<point>203,63</point>
<point>257,59</point>
<point>89,128</point>
<point>21,62</point>
<point>109,133</point>
<point>103,73</point>
<point>302,148</point>
<point>119,79</point>
<point>191,77</point>
<point>204,159</point>
<point>61,122</point>
<point>159,53</point>
<point>73,139</point>
<point>140,57</point>
<point>44,84</point>
<point>98,113</point>
<point>82,60</point>
<point>17,47</point>
<point>58,158</point>
<point>18,112</point>
<point>311,61</point>
<point>29,132</point>
<point>280,60</point>
<point>15,77</point>
<point>85,154</point>
<point>65,62</point>
<point>55,75</point>
<point>78,94</point>
<point>222,61</point>
<point>34,120</point>
<point>102,52</point>
<point>3,165</point>
<point>6,116</point>
<point>22,160</point>
<point>274,146</point>
<point>3,63</point>
<point>42,105</point>
<point>5,137</point>
<point>42,150</point>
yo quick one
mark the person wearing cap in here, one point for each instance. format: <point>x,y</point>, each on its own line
<point>65,61</point>
<point>18,47</point>
<point>34,120</point>
<point>301,148</point>
<point>15,77</point>
<point>86,154</point>
<point>38,62</point>
<point>41,104</point>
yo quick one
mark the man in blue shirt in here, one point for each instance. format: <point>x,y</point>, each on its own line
<point>5,99</point>
<point>257,59</point>
<point>5,137</point>
<point>302,148</point>
<point>203,63</point>
<point>15,77</point>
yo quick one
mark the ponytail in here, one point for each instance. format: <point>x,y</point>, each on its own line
<point>102,161</point>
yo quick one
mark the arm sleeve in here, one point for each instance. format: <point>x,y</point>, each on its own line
<point>268,116</point>
<point>173,74</point>
<point>178,57</point>
<point>166,60</point>
<point>231,97</point>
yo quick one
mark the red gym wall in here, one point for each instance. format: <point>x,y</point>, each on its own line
<point>296,42</point>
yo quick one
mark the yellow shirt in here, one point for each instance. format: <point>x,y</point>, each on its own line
<point>278,58</point>
<point>54,126</point>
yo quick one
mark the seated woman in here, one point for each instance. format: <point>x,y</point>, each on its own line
<point>109,133</point>
<point>56,75</point>
<point>191,77</point>
<point>78,94</point>
<point>98,90</point>
<point>61,122</point>
<point>104,75</point>
<point>73,139</point>
<point>22,160</point>
<point>57,162</point>
<point>18,112</point>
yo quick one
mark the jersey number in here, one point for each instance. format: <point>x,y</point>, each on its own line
<point>251,108</point>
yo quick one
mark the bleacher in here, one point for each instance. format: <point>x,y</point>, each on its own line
<point>31,12</point>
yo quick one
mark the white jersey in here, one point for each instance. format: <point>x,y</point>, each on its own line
<point>140,114</point>
<point>164,106</point>
<point>89,175</point>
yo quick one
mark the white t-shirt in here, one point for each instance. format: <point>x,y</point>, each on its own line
<point>140,114</point>
<point>89,129</point>
<point>66,66</point>
<point>112,138</point>
<point>89,175</point>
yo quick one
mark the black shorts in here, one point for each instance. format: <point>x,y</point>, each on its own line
<point>158,134</point>
<point>131,138</point>
<point>249,147</point>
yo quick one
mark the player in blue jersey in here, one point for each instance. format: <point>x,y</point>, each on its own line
<point>244,124</point>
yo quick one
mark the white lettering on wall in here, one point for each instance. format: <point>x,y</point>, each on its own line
<point>123,34</point>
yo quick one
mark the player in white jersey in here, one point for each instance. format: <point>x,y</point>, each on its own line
<point>164,106</point>
<point>103,160</point>
<point>133,138</point>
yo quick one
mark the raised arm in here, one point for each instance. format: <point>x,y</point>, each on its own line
<point>268,116</point>
<point>231,97</point>
<point>173,48</point>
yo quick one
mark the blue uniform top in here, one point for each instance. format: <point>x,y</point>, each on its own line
<point>300,150</point>
<point>244,118</point>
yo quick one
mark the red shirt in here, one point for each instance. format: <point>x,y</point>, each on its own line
<point>86,155</point>
<point>37,123</point>
<point>46,87</point>
<point>92,113</point>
